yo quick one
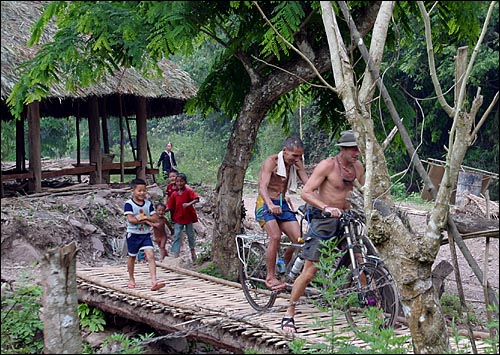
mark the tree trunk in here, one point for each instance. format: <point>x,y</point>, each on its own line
<point>229,187</point>
<point>231,173</point>
<point>60,302</point>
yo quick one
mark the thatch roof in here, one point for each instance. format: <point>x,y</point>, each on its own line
<point>165,97</point>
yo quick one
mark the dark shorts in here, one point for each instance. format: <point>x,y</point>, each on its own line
<point>319,230</point>
<point>138,241</point>
<point>263,215</point>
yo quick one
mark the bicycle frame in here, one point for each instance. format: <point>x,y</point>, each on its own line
<point>367,278</point>
<point>246,241</point>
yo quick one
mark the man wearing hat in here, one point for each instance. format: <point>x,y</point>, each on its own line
<point>326,190</point>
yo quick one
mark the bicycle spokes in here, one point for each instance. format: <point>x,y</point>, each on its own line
<point>377,291</point>
<point>253,276</point>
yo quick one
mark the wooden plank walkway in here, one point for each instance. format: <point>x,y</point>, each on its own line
<point>197,305</point>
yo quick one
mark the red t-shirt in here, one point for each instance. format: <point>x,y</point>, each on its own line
<point>170,189</point>
<point>181,215</point>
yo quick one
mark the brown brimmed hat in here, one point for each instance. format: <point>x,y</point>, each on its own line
<point>347,139</point>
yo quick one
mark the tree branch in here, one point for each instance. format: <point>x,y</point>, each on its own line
<point>432,65</point>
<point>318,74</point>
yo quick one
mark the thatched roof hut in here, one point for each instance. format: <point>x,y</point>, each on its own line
<point>164,96</point>
<point>127,93</point>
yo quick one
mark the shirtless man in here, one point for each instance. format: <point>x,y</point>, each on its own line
<point>278,174</point>
<point>327,190</point>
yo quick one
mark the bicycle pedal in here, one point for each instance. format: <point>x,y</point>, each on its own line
<point>367,299</point>
<point>371,301</point>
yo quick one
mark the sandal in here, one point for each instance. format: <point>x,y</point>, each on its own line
<point>288,325</point>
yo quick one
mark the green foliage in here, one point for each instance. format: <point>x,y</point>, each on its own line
<point>8,139</point>
<point>223,35</point>
<point>288,16</point>
<point>56,136</point>
<point>269,141</point>
<point>399,192</point>
<point>212,270</point>
<point>91,318</point>
<point>198,145</point>
<point>21,324</point>
<point>493,327</point>
<point>121,344</point>
<point>382,340</point>
<point>450,306</point>
<point>379,340</point>
<point>99,215</point>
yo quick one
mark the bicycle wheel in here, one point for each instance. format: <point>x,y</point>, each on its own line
<point>253,278</point>
<point>380,292</point>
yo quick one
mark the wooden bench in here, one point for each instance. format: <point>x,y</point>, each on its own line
<point>130,168</point>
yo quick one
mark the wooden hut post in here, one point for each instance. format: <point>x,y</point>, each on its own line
<point>20,149</point>
<point>95,141</point>
<point>35,155</point>
<point>141,134</point>
<point>104,124</point>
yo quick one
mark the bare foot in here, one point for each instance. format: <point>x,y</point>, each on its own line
<point>275,285</point>
<point>157,286</point>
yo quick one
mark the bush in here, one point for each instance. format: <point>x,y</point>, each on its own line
<point>21,324</point>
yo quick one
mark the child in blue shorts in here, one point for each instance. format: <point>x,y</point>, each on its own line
<point>140,213</point>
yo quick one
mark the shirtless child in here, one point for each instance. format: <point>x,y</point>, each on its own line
<point>159,231</point>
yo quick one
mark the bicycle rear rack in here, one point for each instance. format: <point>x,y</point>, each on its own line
<point>244,241</point>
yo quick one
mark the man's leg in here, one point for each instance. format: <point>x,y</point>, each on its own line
<point>298,288</point>
<point>273,231</point>
<point>292,230</point>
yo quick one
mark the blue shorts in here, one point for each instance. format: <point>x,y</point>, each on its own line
<point>263,215</point>
<point>138,241</point>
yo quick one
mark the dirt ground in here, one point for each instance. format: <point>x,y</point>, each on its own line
<point>92,216</point>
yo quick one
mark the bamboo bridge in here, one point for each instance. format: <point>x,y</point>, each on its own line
<point>210,309</point>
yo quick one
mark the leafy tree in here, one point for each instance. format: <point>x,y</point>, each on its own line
<point>56,135</point>
<point>239,83</point>
<point>253,76</point>
<point>8,132</point>
<point>412,265</point>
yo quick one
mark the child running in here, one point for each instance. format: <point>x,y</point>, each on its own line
<point>183,214</point>
<point>159,231</point>
<point>140,213</point>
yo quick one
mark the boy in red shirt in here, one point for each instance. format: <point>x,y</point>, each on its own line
<point>171,187</point>
<point>180,203</point>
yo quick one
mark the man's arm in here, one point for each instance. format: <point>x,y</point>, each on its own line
<point>360,172</point>
<point>264,178</point>
<point>159,160</point>
<point>301,172</point>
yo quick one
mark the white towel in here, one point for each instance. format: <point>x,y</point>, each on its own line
<point>281,171</point>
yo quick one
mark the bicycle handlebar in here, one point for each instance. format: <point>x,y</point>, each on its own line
<point>343,215</point>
